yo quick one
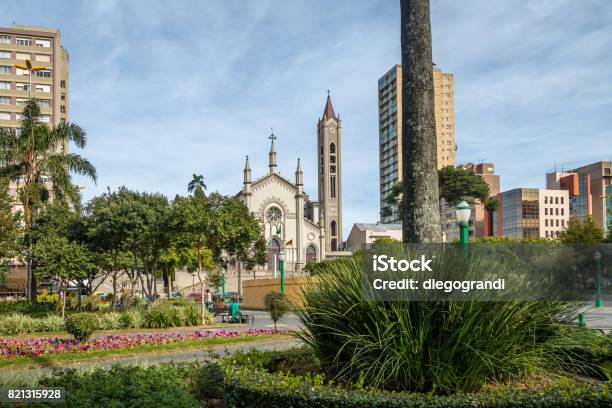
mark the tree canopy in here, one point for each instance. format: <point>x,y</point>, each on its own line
<point>586,232</point>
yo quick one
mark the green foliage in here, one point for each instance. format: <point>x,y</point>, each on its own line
<point>49,323</point>
<point>208,383</point>
<point>455,185</point>
<point>91,303</point>
<point>9,225</point>
<point>277,305</point>
<point>459,184</point>
<point>197,185</point>
<point>46,297</point>
<point>31,309</point>
<point>109,321</point>
<point>132,319</point>
<point>119,386</point>
<point>163,316</point>
<point>248,387</point>
<point>59,259</point>
<point>586,232</point>
<point>428,346</point>
<point>16,323</point>
<point>81,325</point>
<point>295,361</point>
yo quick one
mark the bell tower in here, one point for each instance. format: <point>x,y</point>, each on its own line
<point>329,159</point>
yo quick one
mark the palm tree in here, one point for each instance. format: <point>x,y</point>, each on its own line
<point>36,159</point>
<point>421,213</point>
<point>196,185</point>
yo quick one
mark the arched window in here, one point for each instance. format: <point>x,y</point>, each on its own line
<point>332,186</point>
<point>311,254</point>
<point>334,244</point>
<point>332,148</point>
<point>273,254</point>
<point>333,228</point>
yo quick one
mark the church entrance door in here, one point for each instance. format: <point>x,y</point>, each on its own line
<point>311,254</point>
<point>273,255</point>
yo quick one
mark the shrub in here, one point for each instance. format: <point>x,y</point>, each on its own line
<point>277,305</point>
<point>46,297</point>
<point>162,316</point>
<point>16,323</point>
<point>24,307</point>
<point>428,346</point>
<point>91,303</point>
<point>208,382</point>
<point>119,386</point>
<point>49,323</point>
<point>191,315</point>
<point>247,387</point>
<point>81,325</point>
<point>109,321</point>
<point>295,361</point>
<point>132,319</point>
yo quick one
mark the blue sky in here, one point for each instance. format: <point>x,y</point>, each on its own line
<point>167,89</point>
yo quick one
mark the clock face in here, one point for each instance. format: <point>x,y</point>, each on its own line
<point>332,130</point>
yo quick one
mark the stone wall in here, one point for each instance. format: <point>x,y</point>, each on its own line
<point>254,291</point>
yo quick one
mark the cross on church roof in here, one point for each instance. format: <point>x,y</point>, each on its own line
<point>272,137</point>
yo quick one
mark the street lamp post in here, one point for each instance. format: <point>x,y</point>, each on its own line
<point>223,283</point>
<point>463,213</point>
<point>599,301</point>
<point>282,271</point>
<point>31,69</point>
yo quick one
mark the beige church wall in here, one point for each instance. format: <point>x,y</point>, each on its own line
<point>255,291</point>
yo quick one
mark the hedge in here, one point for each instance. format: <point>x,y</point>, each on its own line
<point>246,387</point>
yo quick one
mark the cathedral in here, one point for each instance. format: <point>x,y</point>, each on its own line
<point>301,230</point>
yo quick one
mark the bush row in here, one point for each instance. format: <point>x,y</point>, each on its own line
<point>158,316</point>
<point>248,387</point>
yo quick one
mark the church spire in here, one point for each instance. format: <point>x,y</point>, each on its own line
<point>247,171</point>
<point>328,113</point>
<point>272,154</point>
<point>299,175</point>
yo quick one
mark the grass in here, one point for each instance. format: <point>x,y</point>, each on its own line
<point>49,360</point>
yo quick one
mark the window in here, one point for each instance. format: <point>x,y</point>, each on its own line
<point>45,73</point>
<point>5,54</point>
<point>561,200</point>
<point>546,222</point>
<point>23,41</point>
<point>63,97</point>
<point>21,101</point>
<point>5,100</point>
<point>274,214</point>
<point>5,85</point>
<point>45,118</point>
<point>562,211</point>
<point>556,200</point>
<point>22,56</point>
<point>5,39</point>
<point>19,71</point>
<point>334,228</point>
<point>5,115</point>
<point>43,58</point>
<point>332,186</point>
<point>332,148</point>
<point>22,86</point>
<point>44,103</point>
<point>62,109</point>
<point>545,211</point>
<point>556,211</point>
<point>42,88</point>
<point>332,169</point>
<point>5,69</point>
<point>557,222</point>
<point>63,83</point>
<point>43,43</point>
<point>563,223</point>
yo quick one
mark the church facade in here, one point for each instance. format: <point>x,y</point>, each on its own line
<point>293,226</point>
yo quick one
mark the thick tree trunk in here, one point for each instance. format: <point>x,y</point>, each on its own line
<point>421,222</point>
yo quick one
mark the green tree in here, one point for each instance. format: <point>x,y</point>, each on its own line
<point>196,185</point>
<point>454,185</point>
<point>9,231</point>
<point>586,232</point>
<point>236,236</point>
<point>191,221</point>
<point>61,261</point>
<point>37,156</point>
<point>421,210</point>
<point>277,305</point>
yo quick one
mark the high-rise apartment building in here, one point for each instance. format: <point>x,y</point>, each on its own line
<point>479,224</point>
<point>525,213</point>
<point>587,187</point>
<point>41,46</point>
<point>390,127</point>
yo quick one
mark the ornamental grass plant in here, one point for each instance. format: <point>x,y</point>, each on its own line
<point>438,347</point>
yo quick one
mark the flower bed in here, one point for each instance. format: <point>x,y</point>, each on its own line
<point>15,348</point>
